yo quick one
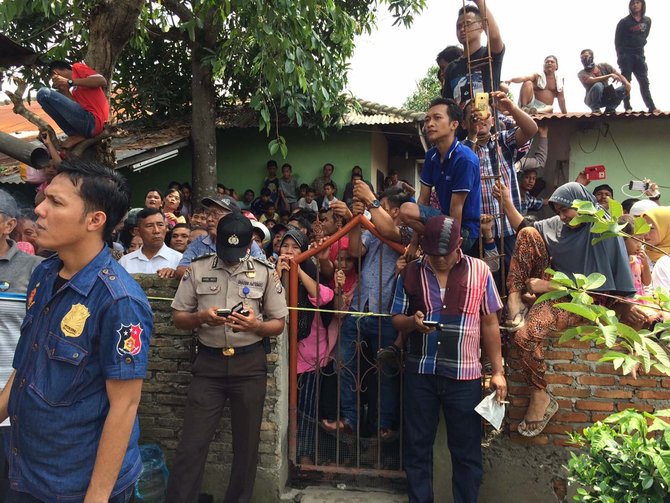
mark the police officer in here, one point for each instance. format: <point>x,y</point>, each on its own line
<point>234,301</point>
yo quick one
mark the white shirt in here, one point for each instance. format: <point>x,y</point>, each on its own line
<point>660,274</point>
<point>137,263</point>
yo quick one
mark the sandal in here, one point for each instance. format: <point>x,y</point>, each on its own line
<point>534,428</point>
<point>516,322</point>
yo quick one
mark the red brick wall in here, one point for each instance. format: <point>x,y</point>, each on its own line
<point>586,391</point>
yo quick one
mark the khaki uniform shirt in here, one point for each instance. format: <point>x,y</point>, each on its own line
<point>212,283</point>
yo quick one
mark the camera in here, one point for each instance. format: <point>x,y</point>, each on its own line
<point>638,185</point>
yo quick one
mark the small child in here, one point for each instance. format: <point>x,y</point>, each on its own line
<point>328,195</point>
<point>639,263</point>
<point>307,202</point>
<point>269,214</point>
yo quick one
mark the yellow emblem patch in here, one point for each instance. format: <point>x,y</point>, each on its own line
<point>73,322</point>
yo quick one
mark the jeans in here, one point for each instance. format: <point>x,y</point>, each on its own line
<point>595,99</point>
<point>68,114</point>
<point>424,396</point>
<point>126,496</point>
<point>352,372</point>
<point>636,64</point>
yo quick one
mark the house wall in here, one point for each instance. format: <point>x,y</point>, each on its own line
<point>380,157</point>
<point>642,142</point>
<point>242,154</point>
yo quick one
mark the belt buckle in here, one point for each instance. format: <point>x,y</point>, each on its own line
<point>228,351</point>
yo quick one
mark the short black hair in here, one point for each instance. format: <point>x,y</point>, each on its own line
<point>198,210</point>
<point>249,190</point>
<point>552,57</point>
<point>396,197</point>
<point>304,186</point>
<point>174,184</point>
<point>148,212</point>
<point>220,186</point>
<point>470,8</point>
<point>449,53</point>
<point>160,193</point>
<point>266,192</point>
<point>453,109</point>
<point>311,189</point>
<point>59,65</point>
<point>101,189</point>
<point>286,165</point>
<point>181,226</point>
<point>329,184</point>
<point>329,164</point>
<point>271,162</point>
<point>628,204</point>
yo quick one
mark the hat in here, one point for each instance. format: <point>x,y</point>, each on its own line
<point>265,232</point>
<point>604,186</point>
<point>227,203</point>
<point>8,205</point>
<point>440,235</point>
<point>298,236</point>
<point>641,207</point>
<point>233,237</point>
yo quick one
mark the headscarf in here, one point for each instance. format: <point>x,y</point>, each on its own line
<point>571,250</point>
<point>305,318</point>
<point>660,216</point>
<point>351,276</point>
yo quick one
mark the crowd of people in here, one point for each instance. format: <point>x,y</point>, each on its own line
<point>431,273</point>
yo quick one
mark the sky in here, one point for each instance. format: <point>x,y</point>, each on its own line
<point>388,63</point>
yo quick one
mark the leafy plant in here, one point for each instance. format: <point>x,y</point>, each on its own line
<point>627,459</point>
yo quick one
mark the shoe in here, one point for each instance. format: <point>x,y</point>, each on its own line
<point>333,427</point>
<point>629,110</point>
<point>654,111</point>
<point>534,428</point>
<point>610,110</point>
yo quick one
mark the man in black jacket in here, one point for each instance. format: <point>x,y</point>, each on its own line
<point>630,39</point>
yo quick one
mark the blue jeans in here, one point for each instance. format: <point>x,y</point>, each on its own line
<point>636,64</point>
<point>595,99</point>
<point>352,371</point>
<point>127,496</point>
<point>68,114</point>
<point>424,396</point>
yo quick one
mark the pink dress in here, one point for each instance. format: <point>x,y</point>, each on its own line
<point>307,347</point>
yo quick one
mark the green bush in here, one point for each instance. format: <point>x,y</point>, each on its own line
<point>625,458</point>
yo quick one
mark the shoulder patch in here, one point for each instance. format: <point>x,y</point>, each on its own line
<point>265,262</point>
<point>201,257</point>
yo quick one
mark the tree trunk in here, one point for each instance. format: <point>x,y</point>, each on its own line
<point>112,24</point>
<point>203,120</point>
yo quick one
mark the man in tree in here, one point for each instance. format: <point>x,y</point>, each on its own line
<point>538,90</point>
<point>469,30</point>
<point>78,105</point>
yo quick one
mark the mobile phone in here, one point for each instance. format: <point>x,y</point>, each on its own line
<point>638,185</point>
<point>433,324</point>
<point>239,308</point>
<point>595,172</point>
<point>223,313</point>
<point>482,104</point>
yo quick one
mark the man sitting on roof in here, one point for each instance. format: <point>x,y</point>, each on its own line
<point>78,103</point>
<point>539,89</point>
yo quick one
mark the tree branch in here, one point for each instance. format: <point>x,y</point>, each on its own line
<point>178,9</point>
<point>19,108</point>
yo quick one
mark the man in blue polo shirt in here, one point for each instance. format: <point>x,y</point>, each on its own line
<point>79,364</point>
<point>453,170</point>
<point>442,368</point>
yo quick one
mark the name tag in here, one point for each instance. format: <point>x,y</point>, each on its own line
<point>210,279</point>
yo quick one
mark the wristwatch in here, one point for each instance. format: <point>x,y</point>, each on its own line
<point>70,83</point>
<point>374,204</point>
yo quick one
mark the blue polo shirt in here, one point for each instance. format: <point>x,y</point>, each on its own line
<point>459,172</point>
<point>96,327</point>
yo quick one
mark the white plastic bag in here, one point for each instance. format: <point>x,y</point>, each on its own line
<point>490,410</point>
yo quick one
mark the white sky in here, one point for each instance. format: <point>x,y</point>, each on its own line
<point>388,63</point>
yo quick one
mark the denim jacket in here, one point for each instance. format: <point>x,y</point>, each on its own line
<point>95,327</point>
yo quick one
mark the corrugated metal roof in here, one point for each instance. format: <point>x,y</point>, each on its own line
<point>594,115</point>
<point>372,113</point>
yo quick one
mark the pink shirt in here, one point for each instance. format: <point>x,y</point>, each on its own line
<point>307,348</point>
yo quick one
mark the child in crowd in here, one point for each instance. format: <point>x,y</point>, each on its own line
<point>639,263</point>
<point>328,195</point>
<point>199,217</point>
<point>271,182</point>
<point>308,202</point>
<point>269,214</point>
<point>261,203</point>
<point>247,199</point>
<point>288,189</point>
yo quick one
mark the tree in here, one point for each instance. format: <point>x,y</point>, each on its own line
<point>427,89</point>
<point>287,59</point>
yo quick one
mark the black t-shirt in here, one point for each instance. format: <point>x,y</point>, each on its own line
<point>457,83</point>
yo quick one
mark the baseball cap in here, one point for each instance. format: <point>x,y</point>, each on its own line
<point>8,205</point>
<point>233,237</point>
<point>263,230</point>
<point>440,235</point>
<point>227,203</point>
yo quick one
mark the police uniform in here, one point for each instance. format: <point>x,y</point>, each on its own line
<point>229,365</point>
<point>76,335</point>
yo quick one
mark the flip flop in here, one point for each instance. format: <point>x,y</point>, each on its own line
<point>517,321</point>
<point>534,428</point>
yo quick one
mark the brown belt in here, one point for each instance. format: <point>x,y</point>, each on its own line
<point>230,351</point>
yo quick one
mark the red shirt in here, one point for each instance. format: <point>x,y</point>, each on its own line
<point>92,99</point>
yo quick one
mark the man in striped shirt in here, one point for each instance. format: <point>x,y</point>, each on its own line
<point>448,303</point>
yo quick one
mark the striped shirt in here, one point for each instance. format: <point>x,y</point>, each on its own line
<point>531,203</point>
<point>494,161</point>
<point>453,351</point>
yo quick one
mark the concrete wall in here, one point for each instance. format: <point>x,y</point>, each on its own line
<point>242,154</point>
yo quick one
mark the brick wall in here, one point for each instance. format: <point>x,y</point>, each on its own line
<point>164,393</point>
<point>586,391</point>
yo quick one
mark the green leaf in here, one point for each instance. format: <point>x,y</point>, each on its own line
<point>594,281</point>
<point>610,334</point>
<point>552,295</point>
<point>616,210</point>
<point>603,236</point>
<point>274,147</point>
<point>289,66</point>
<point>581,310</point>
<point>641,226</point>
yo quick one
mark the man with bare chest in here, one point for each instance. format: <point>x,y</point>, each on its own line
<point>540,89</point>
